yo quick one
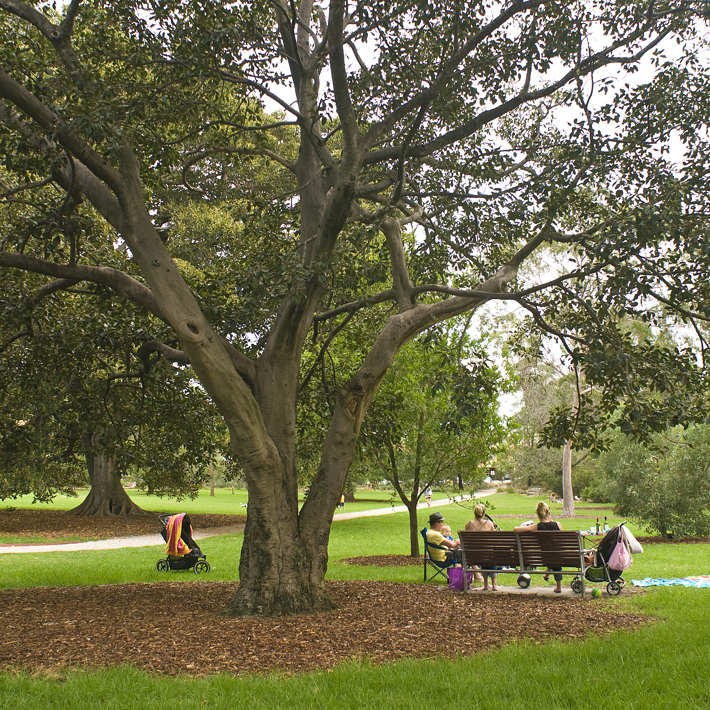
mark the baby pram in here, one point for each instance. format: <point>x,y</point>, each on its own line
<point>182,551</point>
<point>599,570</point>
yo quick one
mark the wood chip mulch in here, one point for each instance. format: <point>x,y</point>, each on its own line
<point>173,628</point>
<point>381,561</point>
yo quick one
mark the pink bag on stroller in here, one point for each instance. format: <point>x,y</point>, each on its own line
<point>620,559</point>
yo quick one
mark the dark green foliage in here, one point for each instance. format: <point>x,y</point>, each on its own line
<point>74,380</point>
<point>664,485</point>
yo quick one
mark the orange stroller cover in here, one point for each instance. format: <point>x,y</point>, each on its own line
<point>176,546</point>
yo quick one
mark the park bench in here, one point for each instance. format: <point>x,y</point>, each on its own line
<point>523,553</point>
<point>534,491</point>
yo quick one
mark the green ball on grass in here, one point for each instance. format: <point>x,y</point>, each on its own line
<point>596,593</point>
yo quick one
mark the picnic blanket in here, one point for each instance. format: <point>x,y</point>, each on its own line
<point>176,546</point>
<point>702,581</point>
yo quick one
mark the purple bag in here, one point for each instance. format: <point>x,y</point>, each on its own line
<point>456,578</point>
<point>620,559</point>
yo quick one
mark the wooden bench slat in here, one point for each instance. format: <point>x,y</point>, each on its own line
<point>551,548</point>
<point>490,548</point>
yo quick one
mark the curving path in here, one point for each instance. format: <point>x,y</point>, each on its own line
<point>156,539</point>
<point>403,508</point>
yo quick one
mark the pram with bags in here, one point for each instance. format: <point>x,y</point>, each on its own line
<point>181,550</point>
<point>607,560</point>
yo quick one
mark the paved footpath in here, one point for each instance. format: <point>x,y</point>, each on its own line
<point>403,508</point>
<point>156,539</point>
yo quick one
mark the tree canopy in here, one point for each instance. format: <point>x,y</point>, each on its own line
<point>485,128</point>
<point>663,484</point>
<point>435,419</point>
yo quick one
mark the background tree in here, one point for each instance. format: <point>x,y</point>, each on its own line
<point>665,484</point>
<point>79,397</point>
<point>544,386</point>
<point>435,419</point>
<point>446,124</point>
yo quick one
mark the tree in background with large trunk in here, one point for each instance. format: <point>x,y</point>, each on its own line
<point>427,116</point>
<point>85,399</point>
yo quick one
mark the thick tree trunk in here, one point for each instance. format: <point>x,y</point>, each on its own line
<point>567,492</point>
<point>107,496</point>
<point>278,578</point>
<point>282,567</point>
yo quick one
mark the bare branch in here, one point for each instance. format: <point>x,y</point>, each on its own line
<point>448,69</point>
<point>202,155</point>
<point>353,306</point>
<point>401,284</point>
<point>331,336</point>
<point>122,284</point>
<point>596,61</point>
<point>170,354</point>
<point>9,192</point>
<point>341,89</point>
<point>111,278</point>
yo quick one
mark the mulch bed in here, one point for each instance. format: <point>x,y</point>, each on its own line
<point>173,628</point>
<point>382,561</point>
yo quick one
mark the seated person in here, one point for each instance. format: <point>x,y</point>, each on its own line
<point>446,532</point>
<point>546,523</point>
<point>441,558</point>
<point>482,524</point>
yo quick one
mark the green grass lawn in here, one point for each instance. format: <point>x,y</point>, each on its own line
<point>662,665</point>
<point>385,534</point>
<point>224,502</point>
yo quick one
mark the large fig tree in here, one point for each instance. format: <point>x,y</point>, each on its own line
<point>383,118</point>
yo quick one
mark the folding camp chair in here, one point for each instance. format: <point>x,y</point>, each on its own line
<point>437,567</point>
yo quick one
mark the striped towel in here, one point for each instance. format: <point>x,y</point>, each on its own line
<point>176,547</point>
<point>701,582</point>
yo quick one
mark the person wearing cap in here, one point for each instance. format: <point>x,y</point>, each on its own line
<point>434,537</point>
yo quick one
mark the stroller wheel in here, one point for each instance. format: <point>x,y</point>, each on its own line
<point>613,589</point>
<point>524,581</point>
<point>161,565</point>
<point>576,585</point>
<point>201,566</point>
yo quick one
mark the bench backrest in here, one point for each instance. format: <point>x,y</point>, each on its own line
<point>551,548</point>
<point>529,549</point>
<point>489,549</point>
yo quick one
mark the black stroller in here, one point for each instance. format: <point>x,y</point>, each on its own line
<point>599,570</point>
<point>177,533</point>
